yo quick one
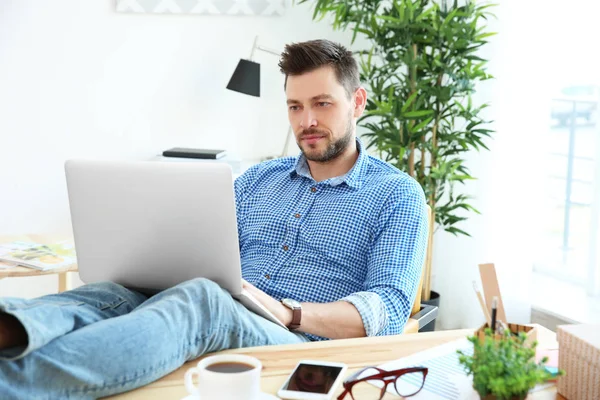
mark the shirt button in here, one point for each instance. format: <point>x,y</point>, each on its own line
<point>313,189</point>
<point>285,247</point>
<point>297,215</point>
<point>267,276</point>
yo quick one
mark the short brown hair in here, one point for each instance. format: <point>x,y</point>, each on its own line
<point>299,58</point>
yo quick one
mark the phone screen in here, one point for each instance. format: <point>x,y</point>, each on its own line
<point>311,378</point>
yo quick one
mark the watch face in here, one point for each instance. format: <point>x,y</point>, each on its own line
<point>291,303</point>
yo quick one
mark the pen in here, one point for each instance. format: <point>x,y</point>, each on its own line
<point>494,306</point>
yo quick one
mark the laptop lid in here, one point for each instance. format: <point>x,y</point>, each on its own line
<point>151,225</point>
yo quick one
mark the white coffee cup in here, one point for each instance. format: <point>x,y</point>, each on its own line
<point>213,383</point>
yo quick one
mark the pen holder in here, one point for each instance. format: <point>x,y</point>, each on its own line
<point>530,331</point>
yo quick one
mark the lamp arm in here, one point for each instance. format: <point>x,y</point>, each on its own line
<point>268,50</point>
<point>256,46</point>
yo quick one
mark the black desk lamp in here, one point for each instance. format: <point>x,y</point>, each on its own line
<point>246,80</point>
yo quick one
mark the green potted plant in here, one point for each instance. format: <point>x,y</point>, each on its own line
<point>421,68</point>
<point>505,368</point>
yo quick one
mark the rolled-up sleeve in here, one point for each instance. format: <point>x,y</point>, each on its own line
<point>395,262</point>
<point>371,309</point>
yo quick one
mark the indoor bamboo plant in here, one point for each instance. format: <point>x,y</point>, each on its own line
<point>420,69</point>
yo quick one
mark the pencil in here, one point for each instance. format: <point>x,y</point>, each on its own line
<point>486,314</point>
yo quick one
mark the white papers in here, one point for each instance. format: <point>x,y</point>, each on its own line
<point>446,378</point>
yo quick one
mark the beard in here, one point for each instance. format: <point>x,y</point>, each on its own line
<point>333,149</point>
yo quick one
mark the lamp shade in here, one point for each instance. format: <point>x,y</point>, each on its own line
<point>246,78</point>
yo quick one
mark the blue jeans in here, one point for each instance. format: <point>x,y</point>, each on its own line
<point>102,339</point>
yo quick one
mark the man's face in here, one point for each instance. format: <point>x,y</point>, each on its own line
<point>321,114</point>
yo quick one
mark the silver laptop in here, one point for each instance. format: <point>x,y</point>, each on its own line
<point>150,225</point>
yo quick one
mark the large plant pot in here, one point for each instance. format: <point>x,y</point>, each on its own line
<point>434,300</point>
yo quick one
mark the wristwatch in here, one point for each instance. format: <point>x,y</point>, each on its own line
<point>296,308</point>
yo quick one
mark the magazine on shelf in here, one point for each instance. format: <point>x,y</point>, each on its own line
<point>38,256</point>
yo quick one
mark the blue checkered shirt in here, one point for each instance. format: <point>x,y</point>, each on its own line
<point>360,237</point>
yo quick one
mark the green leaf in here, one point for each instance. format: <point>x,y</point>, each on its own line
<point>417,114</point>
<point>485,6</point>
<point>318,8</point>
<point>422,124</point>
<point>388,18</point>
<point>400,8</point>
<point>455,231</point>
<point>450,17</point>
<point>484,35</point>
<point>426,14</point>
<point>409,101</point>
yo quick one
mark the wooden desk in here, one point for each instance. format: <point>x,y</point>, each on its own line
<point>64,280</point>
<point>278,361</point>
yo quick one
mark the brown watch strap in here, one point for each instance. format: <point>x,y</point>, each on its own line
<point>296,317</point>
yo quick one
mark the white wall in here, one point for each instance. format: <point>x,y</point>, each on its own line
<point>78,79</point>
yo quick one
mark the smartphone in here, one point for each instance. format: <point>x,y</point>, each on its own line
<point>313,380</point>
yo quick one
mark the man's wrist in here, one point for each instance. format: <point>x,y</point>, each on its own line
<point>296,313</point>
<point>288,315</point>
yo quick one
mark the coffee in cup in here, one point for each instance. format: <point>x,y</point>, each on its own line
<point>225,377</point>
<point>229,367</point>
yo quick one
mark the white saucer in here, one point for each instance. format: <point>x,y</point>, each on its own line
<point>262,396</point>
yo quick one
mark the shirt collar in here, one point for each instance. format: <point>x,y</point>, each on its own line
<point>352,178</point>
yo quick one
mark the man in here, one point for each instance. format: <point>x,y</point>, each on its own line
<point>334,231</point>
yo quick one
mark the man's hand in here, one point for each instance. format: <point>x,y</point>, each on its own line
<point>280,311</point>
<point>337,320</point>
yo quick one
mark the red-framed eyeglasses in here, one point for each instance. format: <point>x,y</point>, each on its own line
<point>407,382</point>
